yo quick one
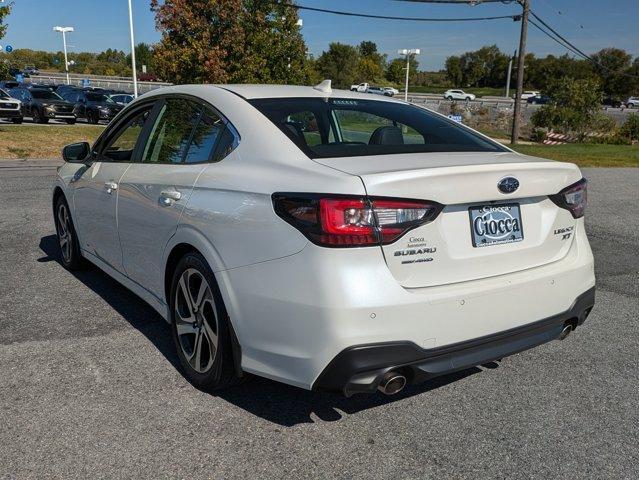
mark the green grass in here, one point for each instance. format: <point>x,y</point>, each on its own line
<point>479,91</point>
<point>586,155</point>
<point>43,141</point>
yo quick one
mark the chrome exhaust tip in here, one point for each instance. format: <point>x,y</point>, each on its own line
<point>392,383</point>
<point>565,332</point>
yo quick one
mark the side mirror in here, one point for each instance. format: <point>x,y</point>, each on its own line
<point>76,152</point>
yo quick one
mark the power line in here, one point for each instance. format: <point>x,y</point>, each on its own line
<point>570,46</point>
<point>413,19</point>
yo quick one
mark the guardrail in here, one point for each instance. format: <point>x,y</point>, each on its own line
<point>113,83</point>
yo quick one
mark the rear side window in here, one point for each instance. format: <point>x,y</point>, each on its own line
<point>351,127</point>
<point>205,137</point>
<point>171,132</point>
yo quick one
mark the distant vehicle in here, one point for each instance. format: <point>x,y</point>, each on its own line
<point>43,105</point>
<point>392,89</point>
<point>632,102</point>
<point>147,77</point>
<point>30,70</point>
<point>611,102</point>
<point>14,72</point>
<point>10,108</point>
<point>380,91</point>
<point>458,95</point>
<point>9,84</point>
<point>360,87</point>
<point>94,106</point>
<point>528,94</point>
<point>538,99</point>
<point>122,98</point>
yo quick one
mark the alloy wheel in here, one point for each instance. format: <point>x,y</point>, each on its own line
<point>64,232</point>
<point>196,320</point>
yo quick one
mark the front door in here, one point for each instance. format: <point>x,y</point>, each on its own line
<point>96,190</point>
<point>154,191</point>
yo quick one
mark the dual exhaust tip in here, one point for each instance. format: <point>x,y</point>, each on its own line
<point>392,383</point>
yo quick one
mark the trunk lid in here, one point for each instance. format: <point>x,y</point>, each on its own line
<point>443,251</point>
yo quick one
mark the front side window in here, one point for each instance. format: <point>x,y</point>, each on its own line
<point>348,127</point>
<point>121,146</point>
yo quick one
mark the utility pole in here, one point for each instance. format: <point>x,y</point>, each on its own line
<point>520,71</point>
<point>64,31</point>
<point>408,52</point>
<point>510,72</point>
<point>135,75</point>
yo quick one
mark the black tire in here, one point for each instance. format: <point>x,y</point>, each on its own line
<point>190,322</point>
<point>17,120</point>
<point>71,121</point>
<point>36,115</point>
<point>449,98</point>
<point>70,255</point>
<point>93,117</point>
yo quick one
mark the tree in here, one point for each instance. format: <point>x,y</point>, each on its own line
<point>396,71</point>
<point>372,64</point>
<point>4,67</point>
<point>611,64</point>
<point>575,106</point>
<point>222,41</point>
<point>339,64</point>
<point>454,71</point>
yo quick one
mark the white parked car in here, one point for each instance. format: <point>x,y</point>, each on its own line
<point>632,102</point>
<point>458,95</point>
<point>10,108</point>
<point>528,94</point>
<point>330,240</point>
<point>360,87</point>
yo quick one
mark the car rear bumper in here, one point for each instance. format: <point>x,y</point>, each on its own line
<point>294,315</point>
<point>360,369</point>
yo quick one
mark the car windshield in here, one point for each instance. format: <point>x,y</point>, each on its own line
<point>45,95</point>
<point>348,127</point>
<point>98,97</point>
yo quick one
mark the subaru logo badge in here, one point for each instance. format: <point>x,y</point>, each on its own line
<point>508,185</point>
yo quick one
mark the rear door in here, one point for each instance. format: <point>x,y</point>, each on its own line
<point>154,191</point>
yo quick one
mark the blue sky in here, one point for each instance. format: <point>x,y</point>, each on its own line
<point>102,24</point>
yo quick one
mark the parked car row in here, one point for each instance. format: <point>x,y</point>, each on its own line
<point>366,88</point>
<point>44,102</point>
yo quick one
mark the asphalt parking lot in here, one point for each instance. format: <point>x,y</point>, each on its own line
<point>89,386</point>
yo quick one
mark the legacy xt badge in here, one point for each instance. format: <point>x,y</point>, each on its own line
<point>508,184</point>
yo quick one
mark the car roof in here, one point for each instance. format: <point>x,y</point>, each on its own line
<point>251,91</point>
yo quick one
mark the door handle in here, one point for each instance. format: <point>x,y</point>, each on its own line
<point>167,197</point>
<point>110,186</point>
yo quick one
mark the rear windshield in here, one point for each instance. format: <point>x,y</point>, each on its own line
<point>98,97</point>
<point>349,127</point>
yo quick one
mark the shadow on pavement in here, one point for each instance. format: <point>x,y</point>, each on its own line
<point>273,401</point>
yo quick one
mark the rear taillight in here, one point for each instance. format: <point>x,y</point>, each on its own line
<point>349,221</point>
<point>573,198</point>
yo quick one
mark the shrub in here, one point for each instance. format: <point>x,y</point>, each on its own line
<point>630,129</point>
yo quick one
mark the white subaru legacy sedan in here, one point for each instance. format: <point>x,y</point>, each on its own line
<point>327,239</point>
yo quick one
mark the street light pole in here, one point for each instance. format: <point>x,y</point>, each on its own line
<point>135,75</point>
<point>64,31</point>
<point>520,71</point>
<point>408,53</point>
<point>510,72</point>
